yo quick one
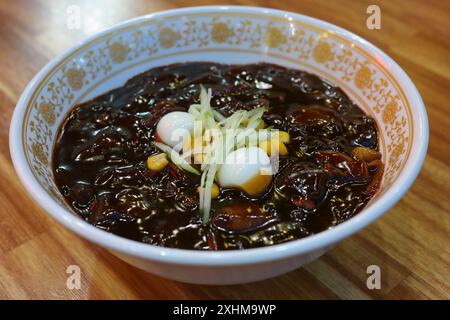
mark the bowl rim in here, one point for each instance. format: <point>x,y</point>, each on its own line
<point>233,257</point>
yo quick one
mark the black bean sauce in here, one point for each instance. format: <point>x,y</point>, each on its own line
<point>100,158</point>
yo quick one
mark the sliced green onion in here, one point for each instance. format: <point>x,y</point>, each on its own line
<point>228,134</point>
<point>176,158</point>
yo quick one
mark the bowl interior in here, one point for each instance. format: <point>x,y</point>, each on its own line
<point>227,36</point>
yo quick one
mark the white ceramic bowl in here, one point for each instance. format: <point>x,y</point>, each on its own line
<point>228,35</point>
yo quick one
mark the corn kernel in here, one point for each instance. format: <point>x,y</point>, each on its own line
<point>215,191</point>
<point>283,136</point>
<point>265,145</point>
<point>157,162</point>
<point>274,146</point>
<point>282,150</point>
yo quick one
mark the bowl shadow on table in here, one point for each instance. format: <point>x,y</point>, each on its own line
<point>340,274</point>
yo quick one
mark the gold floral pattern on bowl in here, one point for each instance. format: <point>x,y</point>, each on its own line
<point>118,52</point>
<point>274,37</point>
<point>220,32</point>
<point>323,52</point>
<point>167,38</point>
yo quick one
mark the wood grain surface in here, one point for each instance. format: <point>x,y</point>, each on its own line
<point>411,243</point>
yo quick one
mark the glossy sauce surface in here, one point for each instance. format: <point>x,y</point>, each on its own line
<point>100,158</point>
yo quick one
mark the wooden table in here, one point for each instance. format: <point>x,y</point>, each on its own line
<point>411,243</point>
